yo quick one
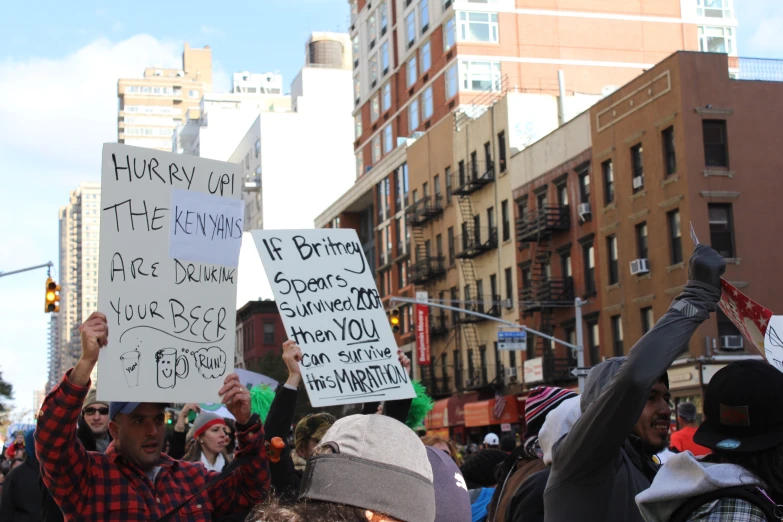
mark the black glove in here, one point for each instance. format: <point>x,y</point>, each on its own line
<point>706,266</point>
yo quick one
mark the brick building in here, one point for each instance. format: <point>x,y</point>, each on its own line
<point>259,330</point>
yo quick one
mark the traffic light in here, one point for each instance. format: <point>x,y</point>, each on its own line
<point>394,320</point>
<point>52,297</point>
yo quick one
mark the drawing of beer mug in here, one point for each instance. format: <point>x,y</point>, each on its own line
<point>130,367</point>
<point>168,364</point>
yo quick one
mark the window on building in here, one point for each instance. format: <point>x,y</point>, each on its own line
<point>385,57</point>
<point>611,249</point>
<point>413,115</point>
<point>504,216</point>
<point>480,75</point>
<point>258,144</point>
<point>269,333</point>
<point>356,51</point>
<point>584,187</point>
<point>426,100</point>
<point>675,237</point>
<point>637,168</point>
<point>647,319</point>
<point>388,144</point>
<point>410,27</point>
<point>562,194</point>
<point>193,93</point>
<point>669,157</point>
<point>373,70</point>
<point>376,149</point>
<point>588,255</point>
<point>451,81</point>
<point>448,176</point>
<point>508,276</point>
<point>721,229</point>
<point>716,39</point>
<point>357,90</point>
<point>641,241</point>
<point>359,163</point>
<point>449,34</point>
<point>384,16</point>
<point>426,57</point>
<point>480,295</point>
<point>386,97</point>
<point>491,220</point>
<point>565,265</point>
<point>593,341</point>
<point>502,151</point>
<point>357,126</point>
<point>478,27</point>
<point>412,71</point>
<point>617,335</point>
<point>493,289</point>
<point>402,275</point>
<point>608,175</point>
<point>372,30</point>
<point>716,153</point>
<point>375,107</point>
<point>713,8</point>
<point>424,15</point>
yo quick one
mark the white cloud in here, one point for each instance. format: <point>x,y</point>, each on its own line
<point>62,110</point>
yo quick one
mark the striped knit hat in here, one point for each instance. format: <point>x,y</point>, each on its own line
<point>204,421</point>
<point>540,401</point>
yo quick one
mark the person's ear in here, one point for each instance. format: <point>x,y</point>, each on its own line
<point>114,429</point>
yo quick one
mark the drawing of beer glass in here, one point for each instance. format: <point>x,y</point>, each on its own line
<point>168,362</point>
<point>130,367</point>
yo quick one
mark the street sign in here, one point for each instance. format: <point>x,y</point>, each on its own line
<point>580,372</point>
<point>512,340</point>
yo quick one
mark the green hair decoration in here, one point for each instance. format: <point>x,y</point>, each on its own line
<point>261,400</point>
<point>420,406</point>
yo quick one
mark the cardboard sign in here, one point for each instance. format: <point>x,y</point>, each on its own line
<point>326,294</point>
<point>171,228</point>
<point>773,344</point>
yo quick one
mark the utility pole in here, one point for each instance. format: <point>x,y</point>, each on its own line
<point>579,346</point>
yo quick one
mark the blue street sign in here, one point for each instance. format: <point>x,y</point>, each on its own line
<point>512,336</point>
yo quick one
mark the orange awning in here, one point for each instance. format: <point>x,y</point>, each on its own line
<point>482,413</point>
<point>435,418</point>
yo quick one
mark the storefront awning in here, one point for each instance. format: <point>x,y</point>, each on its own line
<point>482,413</point>
<point>436,417</point>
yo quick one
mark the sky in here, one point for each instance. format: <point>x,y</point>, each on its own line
<point>59,65</point>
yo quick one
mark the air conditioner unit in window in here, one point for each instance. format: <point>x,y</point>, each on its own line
<point>638,182</point>
<point>639,266</point>
<point>511,373</point>
<point>508,303</point>
<point>731,342</point>
<point>584,212</point>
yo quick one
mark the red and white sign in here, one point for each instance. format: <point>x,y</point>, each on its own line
<point>747,315</point>
<point>534,370</point>
<point>423,334</point>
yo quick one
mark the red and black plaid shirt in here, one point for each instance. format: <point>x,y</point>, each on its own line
<point>88,485</point>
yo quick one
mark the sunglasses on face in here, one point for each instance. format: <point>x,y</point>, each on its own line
<point>91,411</point>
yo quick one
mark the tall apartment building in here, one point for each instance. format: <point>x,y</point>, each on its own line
<point>54,366</point>
<point>79,249</point>
<point>151,107</point>
<point>306,144</point>
<point>417,60</point>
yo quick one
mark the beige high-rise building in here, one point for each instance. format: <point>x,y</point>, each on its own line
<point>79,239</point>
<point>150,108</point>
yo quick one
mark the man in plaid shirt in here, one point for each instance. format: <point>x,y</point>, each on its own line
<point>133,480</point>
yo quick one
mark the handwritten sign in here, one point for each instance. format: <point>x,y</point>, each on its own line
<point>171,228</point>
<point>330,307</point>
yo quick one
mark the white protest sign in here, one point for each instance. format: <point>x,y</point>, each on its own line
<point>330,307</point>
<point>171,228</point>
<point>773,344</point>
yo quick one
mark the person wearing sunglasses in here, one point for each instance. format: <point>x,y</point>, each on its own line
<point>94,424</point>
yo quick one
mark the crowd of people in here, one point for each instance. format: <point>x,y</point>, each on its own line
<point>603,455</point>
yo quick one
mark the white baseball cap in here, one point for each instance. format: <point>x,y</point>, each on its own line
<point>491,440</point>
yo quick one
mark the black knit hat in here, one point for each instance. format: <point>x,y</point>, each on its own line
<point>479,469</point>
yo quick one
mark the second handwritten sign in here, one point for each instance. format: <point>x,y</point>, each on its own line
<point>330,306</point>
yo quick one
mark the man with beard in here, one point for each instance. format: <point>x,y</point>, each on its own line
<point>605,460</point>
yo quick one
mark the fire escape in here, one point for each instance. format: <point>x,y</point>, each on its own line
<point>473,242</point>
<point>542,293</point>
